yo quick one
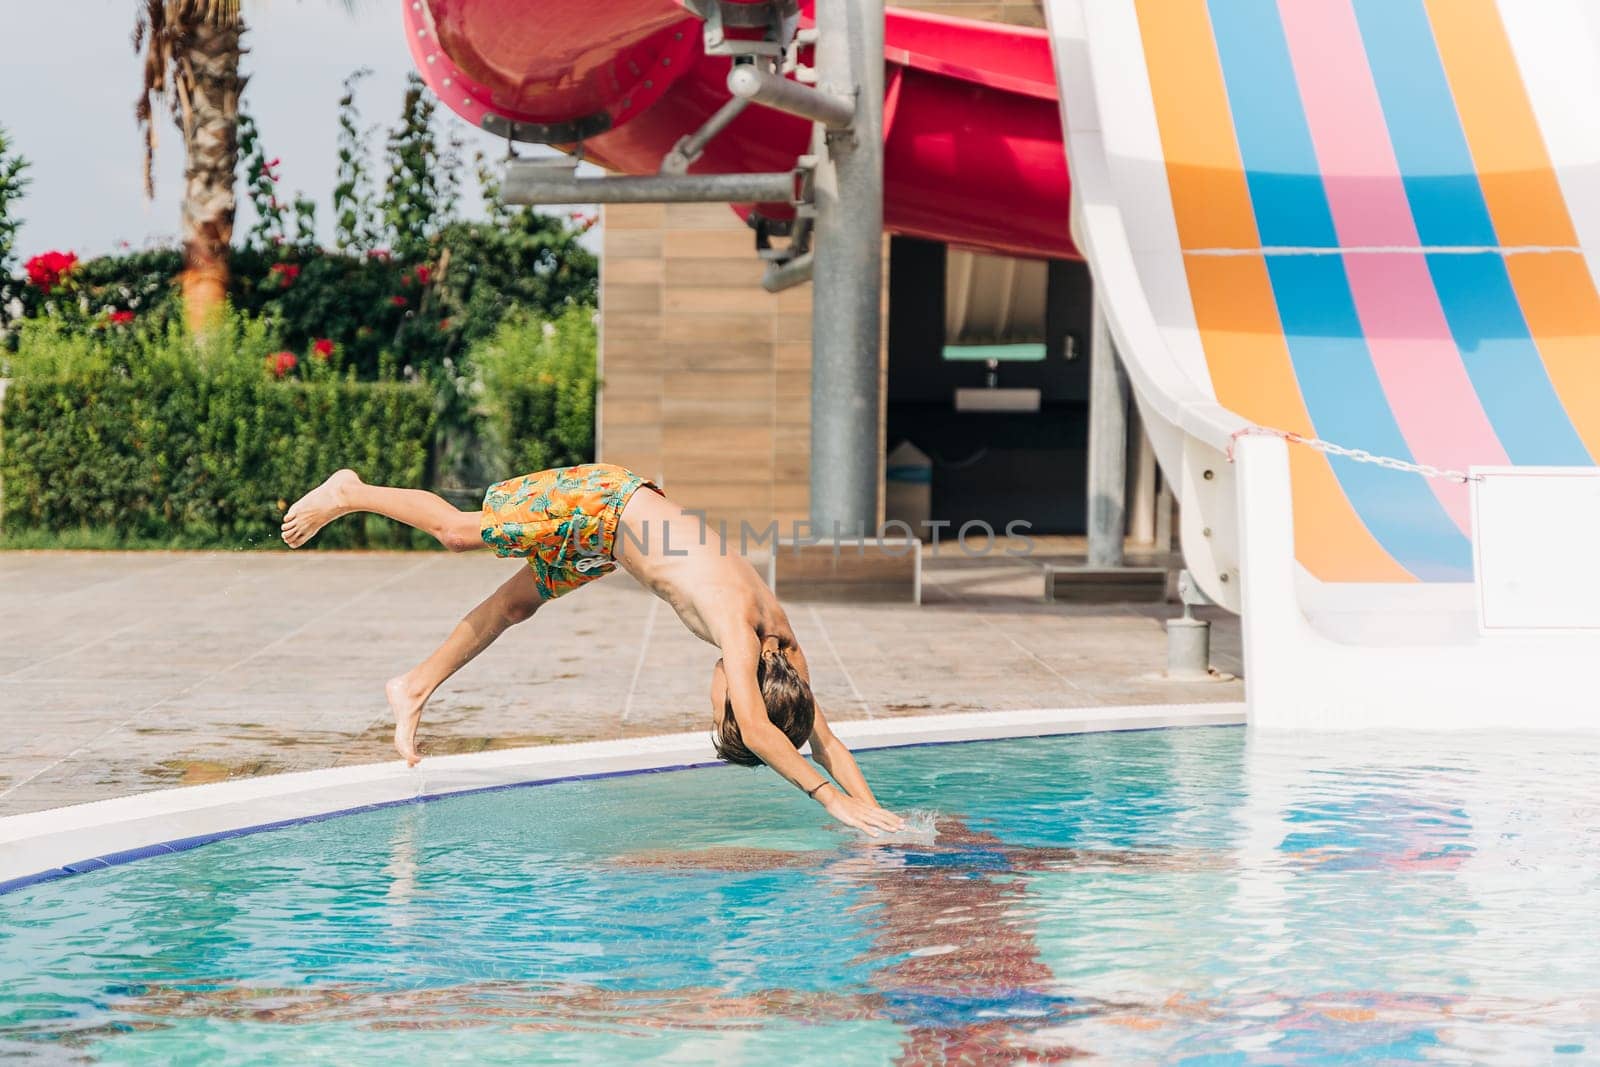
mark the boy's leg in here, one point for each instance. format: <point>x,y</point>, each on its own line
<point>344,492</point>
<point>513,602</point>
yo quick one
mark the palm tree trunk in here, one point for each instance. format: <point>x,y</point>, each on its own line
<point>208,86</point>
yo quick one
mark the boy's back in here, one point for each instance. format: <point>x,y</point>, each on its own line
<point>680,558</point>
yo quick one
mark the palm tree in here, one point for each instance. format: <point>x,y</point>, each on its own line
<point>191,55</point>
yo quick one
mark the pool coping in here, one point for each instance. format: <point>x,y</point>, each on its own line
<point>60,842</point>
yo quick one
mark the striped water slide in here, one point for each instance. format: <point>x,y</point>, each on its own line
<point>1379,211</point>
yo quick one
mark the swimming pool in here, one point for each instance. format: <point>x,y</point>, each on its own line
<point>1199,894</point>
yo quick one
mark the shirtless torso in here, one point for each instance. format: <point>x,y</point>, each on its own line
<point>684,561</point>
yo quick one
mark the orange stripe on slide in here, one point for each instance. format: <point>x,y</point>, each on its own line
<point>1514,170</point>
<point>1559,301</point>
<point>1250,368</point>
<point>1234,307</point>
<point>1555,289</point>
<point>1209,194</point>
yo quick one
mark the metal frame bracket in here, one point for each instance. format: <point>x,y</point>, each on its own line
<point>779,18</point>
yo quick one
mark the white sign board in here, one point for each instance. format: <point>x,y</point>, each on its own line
<point>1534,534</point>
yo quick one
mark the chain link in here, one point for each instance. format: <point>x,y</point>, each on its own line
<point>1358,455</point>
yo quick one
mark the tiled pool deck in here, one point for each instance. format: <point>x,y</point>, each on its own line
<point>124,672</point>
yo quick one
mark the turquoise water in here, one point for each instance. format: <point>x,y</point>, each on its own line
<point>1191,896</point>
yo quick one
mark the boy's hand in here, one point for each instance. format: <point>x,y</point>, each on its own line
<point>858,813</point>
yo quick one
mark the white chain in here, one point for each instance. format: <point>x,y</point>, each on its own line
<point>1359,455</point>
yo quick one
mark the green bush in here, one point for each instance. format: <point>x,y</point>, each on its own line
<point>536,389</point>
<point>385,313</point>
<point>148,437</point>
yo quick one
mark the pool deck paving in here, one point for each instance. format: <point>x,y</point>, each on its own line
<point>126,672</point>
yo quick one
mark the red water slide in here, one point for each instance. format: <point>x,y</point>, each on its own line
<point>972,136</point>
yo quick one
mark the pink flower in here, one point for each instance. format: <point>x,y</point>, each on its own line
<point>424,275</point>
<point>120,318</point>
<point>398,301</point>
<point>49,269</point>
<point>281,363</point>
<point>322,349</point>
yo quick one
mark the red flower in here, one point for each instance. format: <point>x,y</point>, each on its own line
<point>424,275</point>
<point>398,301</point>
<point>49,269</point>
<point>322,349</point>
<point>120,318</point>
<point>281,363</point>
<point>444,324</point>
<point>286,273</point>
<point>405,279</point>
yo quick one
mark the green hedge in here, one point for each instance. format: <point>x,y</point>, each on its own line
<point>157,440</point>
<point>535,380</point>
<point>140,436</point>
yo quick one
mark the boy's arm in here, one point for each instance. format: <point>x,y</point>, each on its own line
<point>827,749</point>
<point>832,753</point>
<point>776,751</point>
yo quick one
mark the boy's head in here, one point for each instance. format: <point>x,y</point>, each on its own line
<point>790,707</point>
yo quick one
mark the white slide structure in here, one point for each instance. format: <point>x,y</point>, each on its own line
<point>1372,225</point>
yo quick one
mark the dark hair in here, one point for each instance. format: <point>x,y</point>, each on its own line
<point>790,707</point>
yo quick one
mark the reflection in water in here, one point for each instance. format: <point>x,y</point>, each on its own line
<point>1139,898</point>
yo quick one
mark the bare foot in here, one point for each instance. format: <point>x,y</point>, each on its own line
<point>406,701</point>
<point>318,508</point>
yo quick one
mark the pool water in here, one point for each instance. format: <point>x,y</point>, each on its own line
<point>1199,895</point>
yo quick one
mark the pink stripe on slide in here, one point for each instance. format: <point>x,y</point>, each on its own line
<point>1417,361</point>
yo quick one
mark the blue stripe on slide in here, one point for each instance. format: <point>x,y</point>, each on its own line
<point>1440,179</point>
<point>1447,202</point>
<point>1326,344</point>
<point>1348,407</point>
<point>1280,164</point>
<point>1503,361</point>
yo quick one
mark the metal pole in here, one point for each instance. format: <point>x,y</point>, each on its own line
<point>1164,506</point>
<point>748,82</point>
<point>533,184</point>
<point>781,276</point>
<point>1108,448</point>
<point>1142,517</point>
<point>691,145</point>
<point>845,385</point>
<point>1189,638</point>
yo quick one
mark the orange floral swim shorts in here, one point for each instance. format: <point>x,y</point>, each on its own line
<point>563,520</point>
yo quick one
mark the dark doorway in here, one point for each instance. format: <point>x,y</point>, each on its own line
<point>992,466</point>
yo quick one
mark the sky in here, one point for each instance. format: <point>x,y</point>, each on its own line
<point>69,77</point>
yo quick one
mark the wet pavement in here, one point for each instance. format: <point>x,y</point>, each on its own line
<point>124,672</point>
